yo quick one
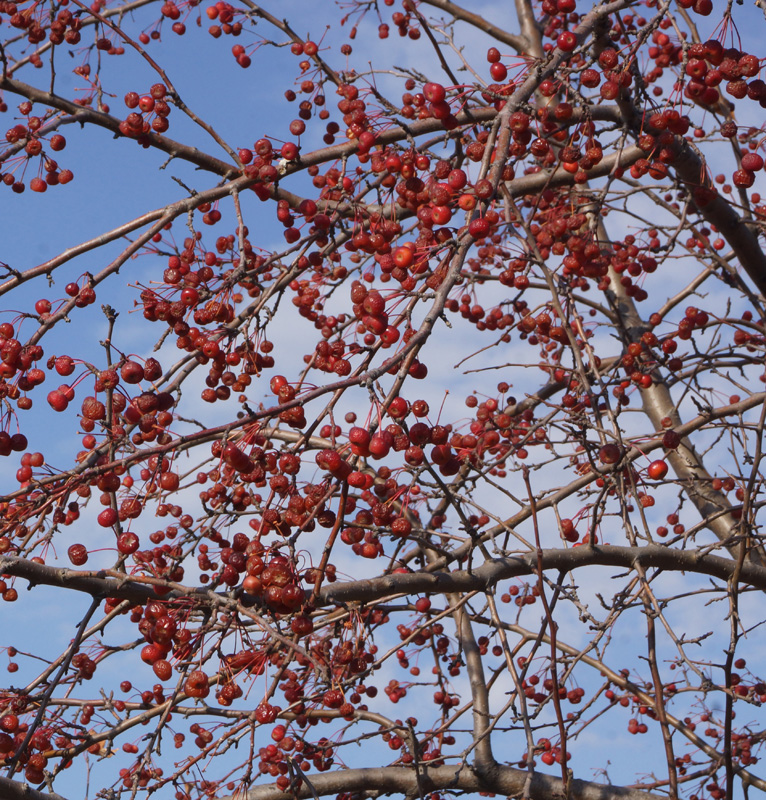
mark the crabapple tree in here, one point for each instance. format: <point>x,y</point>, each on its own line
<point>385,413</point>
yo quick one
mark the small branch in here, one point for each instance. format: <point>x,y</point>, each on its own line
<point>518,43</point>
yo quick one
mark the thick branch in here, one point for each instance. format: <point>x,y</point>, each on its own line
<point>713,506</point>
<point>691,169</point>
<point>499,569</point>
<point>719,212</point>
<point>373,589</point>
<point>20,790</point>
<point>399,780</point>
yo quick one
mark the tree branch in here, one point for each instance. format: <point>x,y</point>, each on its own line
<point>518,43</point>
<point>19,790</point>
<point>370,590</point>
<point>400,780</point>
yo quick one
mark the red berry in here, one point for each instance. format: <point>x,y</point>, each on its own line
<point>162,669</point>
<point>78,554</point>
<point>57,400</point>
<point>19,444</point>
<point>498,71</point>
<point>657,470</point>
<point>752,162</point>
<point>132,372</point>
<point>127,542</point>
<point>107,518</point>
<point>743,178</point>
<point>478,228</point>
<point>289,151</point>
<point>566,41</point>
<point>151,653</point>
<point>610,453</point>
<point>434,92</point>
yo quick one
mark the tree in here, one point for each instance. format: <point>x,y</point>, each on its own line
<point>446,482</point>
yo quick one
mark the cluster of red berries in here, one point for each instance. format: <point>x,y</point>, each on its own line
<point>65,26</point>
<point>152,114</point>
<point>223,13</point>
<point>33,138</point>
